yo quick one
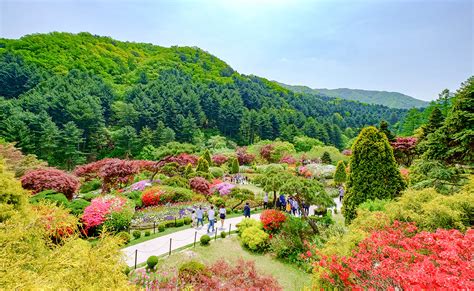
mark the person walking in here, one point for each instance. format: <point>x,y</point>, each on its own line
<point>193,219</point>
<point>211,216</point>
<point>247,210</point>
<point>265,201</point>
<point>199,216</point>
<point>222,214</point>
<point>341,193</point>
<point>295,207</point>
<point>288,207</point>
<point>282,202</point>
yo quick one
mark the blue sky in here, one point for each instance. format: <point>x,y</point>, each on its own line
<point>413,47</point>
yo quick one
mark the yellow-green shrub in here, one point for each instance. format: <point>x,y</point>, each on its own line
<point>255,238</point>
<point>246,223</point>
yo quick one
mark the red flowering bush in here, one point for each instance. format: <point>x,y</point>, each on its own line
<point>402,258</point>
<point>266,151</point>
<point>272,219</point>
<point>243,157</point>
<point>347,152</point>
<point>404,149</point>
<point>115,173</point>
<point>151,197</point>
<point>182,160</point>
<point>288,160</point>
<point>219,160</point>
<point>50,179</point>
<point>101,209</point>
<point>59,224</point>
<point>200,185</point>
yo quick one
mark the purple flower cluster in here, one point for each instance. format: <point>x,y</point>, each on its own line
<point>223,188</point>
<point>141,185</point>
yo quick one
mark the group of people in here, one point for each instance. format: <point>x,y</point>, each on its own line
<point>289,205</point>
<point>197,216</point>
<point>239,179</point>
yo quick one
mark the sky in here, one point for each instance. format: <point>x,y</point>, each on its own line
<point>414,47</point>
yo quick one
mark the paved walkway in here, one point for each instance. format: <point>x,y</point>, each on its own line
<point>161,245</point>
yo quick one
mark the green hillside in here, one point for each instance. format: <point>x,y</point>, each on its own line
<point>389,99</point>
<point>113,98</point>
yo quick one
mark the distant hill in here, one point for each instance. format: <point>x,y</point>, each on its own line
<point>389,99</point>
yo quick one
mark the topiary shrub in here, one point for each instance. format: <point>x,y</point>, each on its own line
<point>202,166</point>
<point>326,158</point>
<point>136,234</point>
<point>191,269</point>
<point>255,239</point>
<point>187,220</point>
<point>91,185</point>
<point>147,233</point>
<point>176,181</point>
<point>151,262</point>
<point>246,223</point>
<point>170,223</point>
<point>340,174</point>
<point>50,195</point>
<point>77,206</point>
<point>175,194</point>
<point>179,222</point>
<point>161,227</point>
<point>223,234</point>
<point>216,172</point>
<point>204,240</point>
<point>124,236</point>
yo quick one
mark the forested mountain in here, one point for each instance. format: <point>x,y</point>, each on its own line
<point>389,99</point>
<point>67,97</point>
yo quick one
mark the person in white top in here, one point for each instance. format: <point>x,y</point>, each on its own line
<point>265,201</point>
<point>222,213</point>
<point>211,217</point>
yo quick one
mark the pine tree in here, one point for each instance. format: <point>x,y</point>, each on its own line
<point>435,121</point>
<point>383,127</point>
<point>71,139</point>
<point>326,158</point>
<point>146,137</point>
<point>340,174</point>
<point>234,166</point>
<point>374,172</point>
<point>202,165</point>
<point>207,157</point>
<point>48,140</point>
<point>163,134</point>
<point>188,170</point>
<point>126,141</point>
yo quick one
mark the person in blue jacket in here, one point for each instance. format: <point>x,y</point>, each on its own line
<point>247,210</point>
<point>282,202</point>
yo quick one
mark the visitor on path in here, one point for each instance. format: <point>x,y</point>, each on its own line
<point>288,207</point>
<point>306,208</point>
<point>247,210</point>
<point>282,202</point>
<point>199,216</point>
<point>265,201</point>
<point>341,193</point>
<point>193,219</point>
<point>295,207</point>
<point>222,213</point>
<point>211,216</point>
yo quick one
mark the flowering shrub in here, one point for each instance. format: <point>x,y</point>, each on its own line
<point>117,172</point>
<point>288,160</point>
<point>222,188</point>
<point>200,185</point>
<point>219,160</point>
<point>182,160</point>
<point>151,196</point>
<point>59,224</point>
<point>243,157</point>
<point>50,179</point>
<point>404,149</point>
<point>272,219</point>
<point>405,174</point>
<point>266,151</point>
<point>304,171</point>
<point>399,257</point>
<point>347,152</point>
<point>100,210</point>
<point>141,185</point>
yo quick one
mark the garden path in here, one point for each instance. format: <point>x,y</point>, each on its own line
<point>161,245</point>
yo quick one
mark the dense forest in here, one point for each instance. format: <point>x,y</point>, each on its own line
<point>69,98</point>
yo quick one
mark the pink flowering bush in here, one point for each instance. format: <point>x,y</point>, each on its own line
<point>223,188</point>
<point>101,209</point>
<point>288,160</point>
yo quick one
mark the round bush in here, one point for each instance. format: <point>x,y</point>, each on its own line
<point>170,223</point>
<point>151,262</point>
<point>176,181</point>
<point>179,222</point>
<point>124,236</point>
<point>246,223</point>
<point>223,234</point>
<point>205,239</point>
<point>161,227</point>
<point>191,269</point>
<point>147,233</point>
<point>255,238</point>
<point>216,172</point>
<point>77,206</point>
<point>187,220</point>
<point>137,234</point>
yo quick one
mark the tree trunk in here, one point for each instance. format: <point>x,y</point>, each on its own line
<point>274,199</point>
<point>237,205</point>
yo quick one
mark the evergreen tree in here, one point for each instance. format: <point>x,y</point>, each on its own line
<point>71,139</point>
<point>340,174</point>
<point>207,157</point>
<point>163,134</point>
<point>188,170</point>
<point>146,137</point>
<point>48,140</point>
<point>373,173</point>
<point>126,142</point>
<point>234,166</point>
<point>326,158</point>
<point>202,165</point>
<point>383,127</point>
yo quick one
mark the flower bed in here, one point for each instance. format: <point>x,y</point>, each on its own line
<point>145,218</point>
<point>104,208</point>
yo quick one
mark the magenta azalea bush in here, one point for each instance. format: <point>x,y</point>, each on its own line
<point>141,185</point>
<point>100,210</point>
<point>223,188</point>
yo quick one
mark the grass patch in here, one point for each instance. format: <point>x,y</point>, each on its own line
<point>289,276</point>
<point>155,235</point>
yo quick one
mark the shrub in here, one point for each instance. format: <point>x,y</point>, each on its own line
<point>272,219</point>
<point>243,157</point>
<point>219,160</point>
<point>222,188</point>
<point>151,262</point>
<point>161,227</point>
<point>147,233</point>
<point>223,234</point>
<point>50,179</point>
<point>175,194</point>
<point>200,185</point>
<point>56,221</point>
<point>124,237</point>
<point>101,208</point>
<point>289,243</point>
<point>119,220</point>
<point>217,200</point>
<point>90,196</point>
<point>179,222</point>
<point>246,223</point>
<point>202,166</point>
<point>326,158</point>
<point>151,196</point>
<point>77,206</point>
<point>204,240</point>
<point>206,176</point>
<point>91,185</point>
<point>191,269</point>
<point>304,143</point>
<point>187,220</point>
<point>136,234</point>
<point>170,223</point>
<point>216,172</point>
<point>374,205</point>
<point>255,238</point>
<point>340,174</point>
<point>234,166</point>
<point>176,181</point>
<point>50,195</point>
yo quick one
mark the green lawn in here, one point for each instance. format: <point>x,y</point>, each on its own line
<point>289,277</point>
